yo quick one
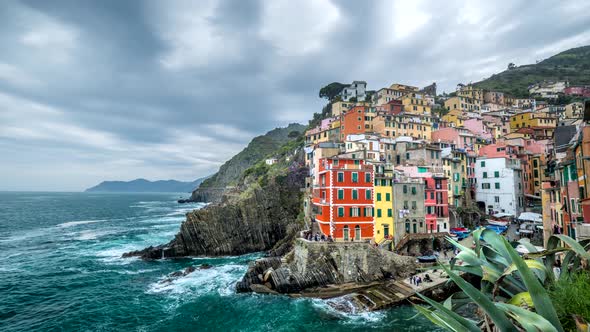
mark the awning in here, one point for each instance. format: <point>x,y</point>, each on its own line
<point>531,216</point>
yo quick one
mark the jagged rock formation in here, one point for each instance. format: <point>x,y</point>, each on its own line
<point>229,174</point>
<point>247,221</point>
<point>316,264</point>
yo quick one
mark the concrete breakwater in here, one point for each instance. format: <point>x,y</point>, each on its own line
<point>362,276</point>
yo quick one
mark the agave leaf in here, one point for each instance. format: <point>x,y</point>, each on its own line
<point>502,322</point>
<point>443,321</point>
<point>528,245</point>
<point>522,299</point>
<point>529,320</point>
<point>495,242</point>
<point>541,299</point>
<point>490,274</point>
<point>475,270</point>
<point>468,324</point>
<point>569,257</point>
<point>537,267</point>
<point>577,247</point>
<point>476,238</point>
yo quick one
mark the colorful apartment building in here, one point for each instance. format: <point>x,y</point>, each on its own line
<point>383,201</point>
<point>357,120</point>
<point>391,126</point>
<point>530,119</point>
<point>343,199</point>
<point>415,103</point>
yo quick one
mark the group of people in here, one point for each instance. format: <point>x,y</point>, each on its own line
<point>309,236</point>
<point>417,280</point>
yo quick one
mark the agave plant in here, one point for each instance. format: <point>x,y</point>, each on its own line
<point>512,294</point>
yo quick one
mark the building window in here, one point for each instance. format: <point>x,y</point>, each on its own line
<point>413,205</point>
<point>354,212</point>
<point>497,199</point>
<point>497,185</point>
<point>368,212</point>
<point>388,197</point>
<point>496,174</point>
<point>355,177</point>
<point>413,190</point>
<point>389,213</point>
<point>378,213</point>
<point>405,189</point>
<point>340,211</point>
<point>367,177</point>
<point>340,177</point>
<point>356,162</point>
<point>483,164</point>
<point>340,193</point>
<point>485,186</point>
<point>378,197</point>
<point>485,175</point>
<point>355,194</point>
<point>368,194</point>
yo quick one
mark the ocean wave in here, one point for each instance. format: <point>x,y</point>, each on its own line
<point>78,222</point>
<point>352,318</point>
<point>220,279</point>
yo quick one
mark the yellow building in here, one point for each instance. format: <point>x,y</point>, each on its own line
<point>454,117</point>
<point>391,126</point>
<point>383,201</point>
<point>452,170</point>
<point>471,92</point>
<point>415,103</point>
<point>464,104</point>
<point>531,119</point>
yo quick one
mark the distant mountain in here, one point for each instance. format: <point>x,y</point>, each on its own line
<point>143,185</point>
<point>572,65</point>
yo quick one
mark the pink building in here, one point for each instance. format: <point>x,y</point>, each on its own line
<point>477,127</point>
<point>457,138</point>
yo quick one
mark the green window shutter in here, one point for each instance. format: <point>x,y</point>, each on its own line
<point>368,194</point>
<point>355,194</point>
<point>378,213</point>
<point>378,197</point>
<point>413,190</point>
<point>340,177</point>
<point>389,212</point>
<point>340,212</point>
<point>340,194</point>
<point>485,175</point>
<point>350,212</point>
<point>497,185</point>
<point>483,164</point>
<point>496,174</point>
<point>355,177</point>
<point>364,212</point>
<point>405,189</point>
<point>367,177</point>
<point>388,197</point>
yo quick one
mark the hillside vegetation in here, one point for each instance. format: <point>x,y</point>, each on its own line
<point>572,65</point>
<point>259,148</point>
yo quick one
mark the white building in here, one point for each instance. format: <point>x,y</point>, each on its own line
<point>272,161</point>
<point>548,89</point>
<point>363,142</point>
<point>499,185</point>
<point>357,90</point>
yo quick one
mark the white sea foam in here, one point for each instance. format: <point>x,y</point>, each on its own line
<point>79,222</point>
<point>349,318</point>
<point>220,279</point>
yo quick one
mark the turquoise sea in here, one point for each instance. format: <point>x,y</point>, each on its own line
<point>61,270</point>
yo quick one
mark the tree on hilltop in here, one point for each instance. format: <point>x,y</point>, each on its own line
<point>331,90</point>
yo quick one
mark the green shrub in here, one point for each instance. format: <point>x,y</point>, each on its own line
<point>572,296</point>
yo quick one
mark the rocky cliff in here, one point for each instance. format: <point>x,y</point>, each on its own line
<point>260,213</point>
<point>230,173</point>
<point>316,264</point>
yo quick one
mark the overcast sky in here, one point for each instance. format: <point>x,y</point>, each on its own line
<point>116,90</point>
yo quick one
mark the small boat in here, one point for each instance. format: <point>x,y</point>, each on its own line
<point>459,230</point>
<point>496,228</point>
<point>497,222</point>
<point>427,259</point>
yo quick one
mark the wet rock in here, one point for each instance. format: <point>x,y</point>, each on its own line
<point>262,289</point>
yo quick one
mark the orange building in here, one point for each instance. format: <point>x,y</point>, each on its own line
<point>354,121</point>
<point>343,199</point>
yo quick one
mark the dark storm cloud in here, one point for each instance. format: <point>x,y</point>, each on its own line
<point>171,89</point>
